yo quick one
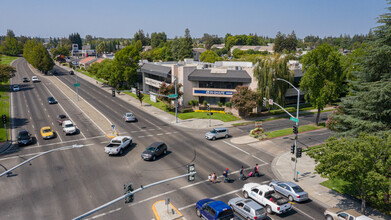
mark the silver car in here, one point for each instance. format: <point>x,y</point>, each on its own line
<point>129,117</point>
<point>291,190</point>
<point>247,208</point>
<point>217,133</point>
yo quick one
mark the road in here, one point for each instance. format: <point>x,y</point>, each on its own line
<point>66,184</point>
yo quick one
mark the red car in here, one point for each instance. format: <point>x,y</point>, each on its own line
<point>61,118</point>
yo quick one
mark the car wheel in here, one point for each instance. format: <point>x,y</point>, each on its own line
<point>198,213</point>
<point>269,209</point>
<point>214,138</point>
<point>245,194</point>
<point>328,217</point>
<point>121,151</point>
<point>154,158</point>
<point>226,136</point>
<point>290,198</point>
<point>165,152</point>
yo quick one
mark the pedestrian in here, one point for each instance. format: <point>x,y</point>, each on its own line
<point>225,174</point>
<point>241,177</point>
<point>214,177</point>
<point>210,177</point>
<point>256,170</point>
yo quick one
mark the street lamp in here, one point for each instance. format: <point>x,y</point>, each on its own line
<point>297,124</point>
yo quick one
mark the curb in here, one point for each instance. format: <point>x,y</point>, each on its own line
<point>157,214</point>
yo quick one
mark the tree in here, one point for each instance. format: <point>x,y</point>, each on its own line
<point>11,46</point>
<point>125,67</point>
<point>60,51</point>
<point>6,72</point>
<point>141,36</point>
<point>266,72</point>
<point>244,99</point>
<point>76,39</point>
<point>364,162</point>
<point>186,46</point>
<point>165,89</point>
<point>323,76</point>
<point>209,56</point>
<point>38,56</point>
<point>158,39</point>
<point>209,40</point>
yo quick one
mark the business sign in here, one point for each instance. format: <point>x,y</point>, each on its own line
<point>152,82</point>
<point>75,47</point>
<point>134,90</point>
<point>213,92</point>
<point>152,98</point>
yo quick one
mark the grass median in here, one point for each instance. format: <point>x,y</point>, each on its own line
<point>4,98</point>
<point>289,131</point>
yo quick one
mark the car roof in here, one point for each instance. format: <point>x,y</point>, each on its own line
<point>119,138</point>
<point>156,144</point>
<point>128,113</point>
<point>67,122</point>
<point>353,213</point>
<point>251,203</point>
<point>291,184</point>
<point>219,205</point>
<point>44,128</point>
<point>221,128</point>
<point>23,130</point>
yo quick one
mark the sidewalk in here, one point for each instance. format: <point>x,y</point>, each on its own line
<point>164,211</point>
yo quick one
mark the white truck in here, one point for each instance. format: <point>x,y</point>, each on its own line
<point>266,196</point>
<point>118,144</point>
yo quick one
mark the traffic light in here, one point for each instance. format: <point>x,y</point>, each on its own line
<point>4,117</point>
<point>138,93</point>
<point>295,129</point>
<point>208,107</point>
<point>190,169</point>
<point>113,93</point>
<point>128,189</point>
<point>299,151</point>
<point>292,149</point>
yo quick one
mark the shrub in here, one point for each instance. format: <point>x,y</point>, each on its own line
<point>186,110</point>
<point>228,104</point>
<point>220,104</point>
<point>193,102</point>
<point>205,103</point>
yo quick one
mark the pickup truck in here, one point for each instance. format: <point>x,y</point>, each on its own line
<point>118,144</point>
<point>266,196</point>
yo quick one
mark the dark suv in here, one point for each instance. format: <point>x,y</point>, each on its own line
<point>156,149</point>
<point>24,137</point>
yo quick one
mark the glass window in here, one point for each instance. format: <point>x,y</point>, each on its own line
<point>297,189</point>
<point>343,215</point>
<point>247,209</point>
<point>255,190</point>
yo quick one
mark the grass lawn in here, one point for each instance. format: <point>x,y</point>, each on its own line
<point>90,75</point>
<point>203,115</point>
<point>289,131</point>
<point>7,59</point>
<point>338,185</point>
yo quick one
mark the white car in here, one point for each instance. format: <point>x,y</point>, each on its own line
<point>35,79</point>
<point>68,127</point>
<point>129,117</point>
<point>118,144</point>
<point>16,88</point>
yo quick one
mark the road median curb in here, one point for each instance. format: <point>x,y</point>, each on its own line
<point>162,212</point>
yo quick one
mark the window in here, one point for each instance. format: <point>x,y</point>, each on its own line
<point>343,215</point>
<point>255,190</point>
<point>240,204</point>
<point>247,209</point>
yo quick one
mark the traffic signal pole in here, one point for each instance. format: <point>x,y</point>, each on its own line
<point>295,177</point>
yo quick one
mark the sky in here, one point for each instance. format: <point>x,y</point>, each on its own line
<point>123,18</point>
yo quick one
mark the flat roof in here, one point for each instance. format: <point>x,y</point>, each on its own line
<point>229,76</point>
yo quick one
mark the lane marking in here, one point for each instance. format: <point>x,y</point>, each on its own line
<point>159,134</point>
<point>245,152</point>
<point>302,212</point>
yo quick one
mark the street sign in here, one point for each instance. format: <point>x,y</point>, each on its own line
<point>270,101</point>
<point>76,85</point>
<point>295,119</point>
<point>172,95</point>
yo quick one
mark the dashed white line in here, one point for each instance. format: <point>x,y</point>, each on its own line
<point>168,133</point>
<point>303,213</point>
<point>140,136</point>
<point>151,129</point>
<point>244,151</point>
<point>159,134</point>
<point>149,135</point>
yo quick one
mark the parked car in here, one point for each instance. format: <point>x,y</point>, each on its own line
<point>247,208</point>
<point>25,79</point>
<point>118,144</point>
<point>71,72</point>
<point>61,118</point>
<point>266,196</point>
<point>214,210</point>
<point>15,88</point>
<point>338,214</point>
<point>129,117</point>
<point>154,150</point>
<point>54,72</point>
<point>35,79</point>
<point>291,190</point>
<point>217,133</point>
<point>52,100</point>
<point>68,127</point>
<point>24,137</point>
<point>47,132</point>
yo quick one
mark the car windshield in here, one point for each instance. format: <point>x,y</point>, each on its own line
<point>62,116</point>
<point>297,189</point>
<point>69,125</point>
<point>259,211</point>
<point>16,86</point>
<point>226,215</point>
<point>129,114</point>
<point>51,98</point>
<point>213,131</point>
<point>151,149</point>
<point>23,134</point>
<point>47,130</point>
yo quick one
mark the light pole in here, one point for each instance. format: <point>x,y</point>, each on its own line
<point>297,124</point>
<point>176,101</point>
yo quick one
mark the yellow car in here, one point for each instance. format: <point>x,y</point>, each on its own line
<point>47,132</point>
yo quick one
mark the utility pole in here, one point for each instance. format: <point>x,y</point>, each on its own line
<point>176,101</point>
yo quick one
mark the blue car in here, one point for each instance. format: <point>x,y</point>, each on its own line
<point>214,210</point>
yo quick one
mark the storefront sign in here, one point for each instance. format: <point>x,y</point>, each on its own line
<point>212,92</point>
<point>152,82</point>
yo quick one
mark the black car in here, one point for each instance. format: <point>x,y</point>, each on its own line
<point>24,137</point>
<point>54,72</point>
<point>156,149</point>
<point>25,79</point>
<point>61,118</point>
<point>71,72</point>
<point>51,100</point>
